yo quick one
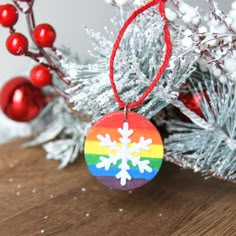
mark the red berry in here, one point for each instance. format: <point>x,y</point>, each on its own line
<point>40,76</point>
<point>44,35</point>
<point>8,15</point>
<point>17,44</point>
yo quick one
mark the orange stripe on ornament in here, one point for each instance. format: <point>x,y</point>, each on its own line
<point>115,135</point>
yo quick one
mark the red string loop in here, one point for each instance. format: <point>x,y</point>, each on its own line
<point>164,65</point>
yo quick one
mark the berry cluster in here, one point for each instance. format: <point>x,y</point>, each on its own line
<point>42,36</point>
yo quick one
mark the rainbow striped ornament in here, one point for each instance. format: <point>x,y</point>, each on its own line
<point>122,154</point>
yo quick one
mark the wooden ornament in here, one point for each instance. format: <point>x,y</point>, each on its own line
<point>124,154</point>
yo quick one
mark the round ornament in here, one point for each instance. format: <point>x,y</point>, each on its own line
<point>20,100</point>
<point>123,153</point>
<point>193,102</point>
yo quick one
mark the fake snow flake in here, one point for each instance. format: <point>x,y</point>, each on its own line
<point>187,42</point>
<point>83,189</point>
<point>10,180</point>
<point>34,190</point>
<point>123,154</point>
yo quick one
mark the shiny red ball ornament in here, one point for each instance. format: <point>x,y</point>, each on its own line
<point>40,76</point>
<point>8,15</point>
<point>192,102</point>
<point>17,44</point>
<point>20,100</point>
<point>44,35</point>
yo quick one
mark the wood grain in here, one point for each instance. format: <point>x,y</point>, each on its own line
<point>38,199</point>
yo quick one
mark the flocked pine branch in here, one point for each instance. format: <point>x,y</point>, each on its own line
<point>60,132</point>
<point>208,145</point>
<point>138,60</point>
<point>212,31</point>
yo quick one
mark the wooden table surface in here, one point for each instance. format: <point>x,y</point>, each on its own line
<point>38,199</point>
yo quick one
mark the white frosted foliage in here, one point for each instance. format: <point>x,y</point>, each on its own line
<point>202,29</point>
<point>233,5</point>
<point>171,15</point>
<point>217,72</point>
<point>208,143</point>
<point>230,64</point>
<point>137,61</point>
<point>233,25</point>
<point>232,14</point>
<point>228,20</point>
<point>187,42</point>
<point>188,32</point>
<point>196,20</point>
<point>203,65</point>
<point>187,19</point>
<point>223,79</point>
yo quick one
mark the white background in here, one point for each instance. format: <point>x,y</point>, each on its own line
<point>67,17</point>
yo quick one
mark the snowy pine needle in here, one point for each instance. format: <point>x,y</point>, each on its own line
<point>207,145</point>
<point>137,62</point>
<point>60,132</point>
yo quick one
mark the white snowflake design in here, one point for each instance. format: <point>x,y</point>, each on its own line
<point>125,154</point>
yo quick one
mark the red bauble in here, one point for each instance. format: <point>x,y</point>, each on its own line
<point>20,100</point>
<point>192,102</point>
<point>40,76</point>
<point>8,15</point>
<point>17,44</point>
<point>44,35</point>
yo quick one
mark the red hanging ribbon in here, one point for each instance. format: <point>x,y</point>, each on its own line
<point>164,64</point>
